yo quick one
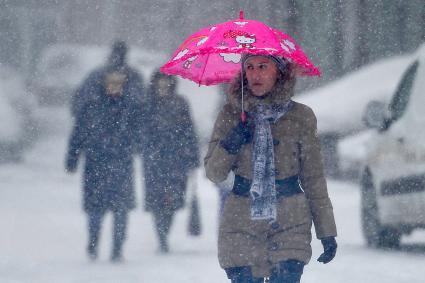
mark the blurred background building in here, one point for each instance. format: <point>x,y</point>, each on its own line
<point>340,36</point>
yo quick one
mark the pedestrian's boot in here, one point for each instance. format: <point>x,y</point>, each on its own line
<point>163,244</point>
<point>92,248</point>
<point>116,255</point>
<point>120,224</point>
<point>94,231</point>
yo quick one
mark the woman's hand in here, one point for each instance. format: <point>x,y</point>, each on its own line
<point>71,164</point>
<point>241,134</point>
<point>329,247</point>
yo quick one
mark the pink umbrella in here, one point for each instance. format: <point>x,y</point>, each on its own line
<point>213,54</point>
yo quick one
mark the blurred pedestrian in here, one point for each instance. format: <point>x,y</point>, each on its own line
<point>171,151</point>
<point>117,61</point>
<point>279,187</point>
<point>107,132</point>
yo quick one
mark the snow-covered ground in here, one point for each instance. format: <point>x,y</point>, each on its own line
<point>43,232</point>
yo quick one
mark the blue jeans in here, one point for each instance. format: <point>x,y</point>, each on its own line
<point>288,271</point>
<point>242,274</point>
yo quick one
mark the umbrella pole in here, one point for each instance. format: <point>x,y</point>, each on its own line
<point>243,114</point>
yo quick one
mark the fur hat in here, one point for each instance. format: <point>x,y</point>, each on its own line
<point>118,55</point>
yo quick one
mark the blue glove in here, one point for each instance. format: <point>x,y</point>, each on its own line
<point>329,247</point>
<point>241,134</point>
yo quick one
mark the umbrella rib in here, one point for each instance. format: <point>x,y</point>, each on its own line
<point>203,71</point>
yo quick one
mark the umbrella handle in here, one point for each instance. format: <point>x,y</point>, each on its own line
<point>243,116</point>
<point>241,15</point>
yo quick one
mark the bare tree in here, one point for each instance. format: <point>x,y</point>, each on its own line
<point>362,56</point>
<point>338,40</point>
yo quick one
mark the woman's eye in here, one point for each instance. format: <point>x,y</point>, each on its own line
<point>263,66</point>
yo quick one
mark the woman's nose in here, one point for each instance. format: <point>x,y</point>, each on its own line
<point>256,73</point>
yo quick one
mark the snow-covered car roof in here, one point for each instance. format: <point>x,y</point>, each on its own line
<point>339,105</point>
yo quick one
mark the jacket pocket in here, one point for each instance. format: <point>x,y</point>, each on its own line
<point>286,158</point>
<point>293,211</point>
<point>236,217</point>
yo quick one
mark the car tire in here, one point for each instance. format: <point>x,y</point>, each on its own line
<point>376,235</point>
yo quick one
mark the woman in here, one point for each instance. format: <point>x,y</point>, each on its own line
<point>279,187</point>
<point>170,152</point>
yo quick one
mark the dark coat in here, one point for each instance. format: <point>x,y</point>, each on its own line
<point>107,131</point>
<point>171,150</point>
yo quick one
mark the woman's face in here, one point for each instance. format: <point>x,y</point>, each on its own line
<point>261,73</point>
<point>164,86</point>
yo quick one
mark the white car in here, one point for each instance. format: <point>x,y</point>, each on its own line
<point>339,105</point>
<point>393,176</point>
<point>352,151</point>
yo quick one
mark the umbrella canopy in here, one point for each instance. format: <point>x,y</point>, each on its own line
<point>213,54</point>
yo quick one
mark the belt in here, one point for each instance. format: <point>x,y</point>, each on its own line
<point>284,187</point>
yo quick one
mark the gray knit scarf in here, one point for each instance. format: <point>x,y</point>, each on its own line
<point>263,192</point>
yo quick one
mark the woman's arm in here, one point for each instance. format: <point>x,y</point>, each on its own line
<point>77,139</point>
<point>313,180</point>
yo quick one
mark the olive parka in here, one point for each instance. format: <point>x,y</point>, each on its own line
<point>256,243</point>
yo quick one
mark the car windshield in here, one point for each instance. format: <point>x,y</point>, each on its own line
<point>400,100</point>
